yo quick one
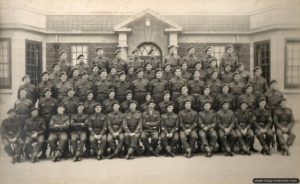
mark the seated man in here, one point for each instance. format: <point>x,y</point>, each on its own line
<point>188,122</point>
<point>284,123</point>
<point>115,130</point>
<point>97,128</point>
<point>169,129</point>
<point>226,122</point>
<point>79,123</point>
<point>11,135</point>
<point>59,125</point>
<point>132,127</point>
<point>150,127</point>
<point>207,133</point>
<point>35,128</point>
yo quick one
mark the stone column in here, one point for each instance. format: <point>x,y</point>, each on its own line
<point>123,45</point>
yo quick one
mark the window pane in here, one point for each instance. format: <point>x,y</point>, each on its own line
<point>5,68</point>
<point>292,63</point>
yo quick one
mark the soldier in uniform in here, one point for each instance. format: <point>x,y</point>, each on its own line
<point>207,97</point>
<point>100,60</point>
<point>89,103</point>
<point>64,65</point>
<point>22,108</point>
<point>273,97</point>
<point>126,103</point>
<point>184,72</point>
<point>225,95</point>
<point>45,83</point>
<point>58,138</point>
<point>74,77</point>
<point>245,75</point>
<point>258,83</point>
<point>244,124</point>
<point>184,96</point>
<point>78,126</point>
<point>81,65</point>
<point>284,123</point>
<point>172,59</point>
<point>248,97</point>
<point>158,86</point>
<point>11,130</point>
<point>169,129</point>
<point>206,125</point>
<point>62,87</point>
<point>107,104</point>
<point>207,58</point>
<point>94,76</point>
<point>176,83</point>
<point>32,93</point>
<point>196,87</point>
<point>102,87</point>
<point>214,84</point>
<point>113,76</point>
<point>198,67</point>
<point>97,129</point>
<point>144,106</point>
<point>131,75</point>
<point>226,123</point>
<point>167,73</point>
<point>229,58</point>
<point>122,86</point>
<point>263,126</point>
<point>150,128</point>
<point>149,74</point>
<point>226,74</point>
<point>133,122</point>
<point>83,86</point>
<point>188,119</point>
<point>236,89</point>
<point>35,128</point>
<point>140,86</point>
<point>155,62</point>
<point>212,67</point>
<point>162,106</point>
<point>191,59</point>
<point>118,62</point>
<point>137,62</point>
<point>70,103</point>
<point>115,130</point>
<point>55,74</point>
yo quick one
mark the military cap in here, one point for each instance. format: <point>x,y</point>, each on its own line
<point>122,73</point>
<point>102,70</point>
<point>213,71</point>
<point>61,53</point>
<point>84,73</point>
<point>272,81</point>
<point>206,101</point>
<point>224,101</point>
<point>183,62</point>
<point>150,52</point>
<point>247,86</point>
<point>209,47</point>
<point>10,111</point>
<point>158,70</point>
<point>228,46</point>
<point>25,76</point>
<point>34,109</point>
<point>117,51</point>
<point>95,66</point>
<point>89,92</point>
<point>187,100</point>
<point>55,64</point>
<point>115,102</point>
<point>97,104</point>
<point>256,68</point>
<point>99,48</point>
<point>165,65</point>
<point>213,59</point>
<point>62,73</point>
<point>206,86</point>
<point>192,47</point>
<point>261,99</point>
<point>151,101</point>
<point>130,66</point>
<point>240,64</point>
<point>148,63</point>
<point>224,84</point>
<point>177,68</point>
<point>139,70</point>
<point>135,50</point>
<point>166,92</point>
<point>45,90</point>
<point>61,105</point>
<point>235,73</point>
<point>80,55</point>
<point>171,46</point>
<point>170,103</point>
<point>133,101</point>
<point>128,92</point>
<point>243,102</point>
<point>111,90</point>
<point>80,104</point>
<point>198,62</point>
<point>226,64</point>
<point>70,89</point>
<point>74,69</point>
<point>44,73</point>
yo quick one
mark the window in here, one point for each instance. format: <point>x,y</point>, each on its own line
<point>218,52</point>
<point>76,50</point>
<point>262,57</point>
<point>34,60</point>
<point>146,47</point>
<point>292,64</point>
<point>5,63</point>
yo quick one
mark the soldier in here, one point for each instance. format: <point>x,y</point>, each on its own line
<point>97,128</point>
<point>229,58</point>
<point>226,74</point>
<point>248,97</point>
<point>45,83</point>
<point>207,97</point>
<point>140,86</point>
<point>107,104</point>
<point>70,103</point>
<point>169,129</point>
<point>198,67</point>
<point>191,59</point>
<point>115,130</point>
<point>118,62</point>
<point>150,128</point>
<point>226,122</point>
<point>188,119</point>
<point>100,60</point>
<point>245,75</point>
<point>184,96</point>
<point>263,126</point>
<point>195,87</point>
<point>167,73</point>
<point>162,106</point>
<point>59,125</point>
<point>121,87</point>
<point>184,72</point>
<point>258,83</point>
<point>207,133</point>
<point>74,77</point>
<point>78,126</point>
<point>11,135</point>
<point>155,62</point>
<point>207,58</point>
<point>22,108</point>
<point>273,97</point>
<point>64,65</point>
<point>113,76</point>
<point>35,128</point>
<point>214,84</point>
<point>62,87</point>
<point>149,74</point>
<point>131,75</point>
<point>225,95</point>
<point>212,67</point>
<point>81,65</point>
<point>32,93</point>
<point>236,89</point>
<point>176,83</point>
<point>244,124</point>
<point>101,88</point>
<point>144,106</point>
<point>137,62</point>
<point>132,126</point>
<point>284,122</point>
<point>55,74</point>
<point>89,104</point>
<point>94,76</point>
<point>172,59</point>
<point>158,86</point>
<point>83,86</point>
<point>129,98</point>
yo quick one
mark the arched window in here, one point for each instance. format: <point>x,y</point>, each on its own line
<point>146,47</point>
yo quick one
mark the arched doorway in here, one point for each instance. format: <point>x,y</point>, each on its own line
<point>145,47</point>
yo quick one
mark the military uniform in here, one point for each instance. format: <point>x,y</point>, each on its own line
<point>101,61</point>
<point>82,67</point>
<point>118,63</point>
<point>42,86</point>
<point>138,63</point>
<point>205,98</point>
<point>259,85</point>
<point>168,75</point>
<point>181,101</point>
<point>149,75</point>
<point>113,78</point>
<point>89,106</point>
<point>236,89</point>
<point>196,88</point>
<point>82,89</point>
<point>225,96</point>
<point>226,77</point>
<point>74,80</point>
<point>229,59</point>
<point>140,88</point>
<point>22,108</point>
<point>191,60</point>
<point>215,86</point>
<point>70,104</point>
<point>162,106</point>
<point>156,63</point>
<point>54,77</point>
<point>94,77</point>
<point>64,66</point>
<point>32,93</point>
<point>245,76</point>
<point>205,61</point>
<point>102,89</point>
<point>121,90</point>
<point>273,97</point>
<point>157,87</point>
<point>61,89</point>
<point>173,60</point>
<point>107,105</point>
<point>176,84</point>
<point>249,98</point>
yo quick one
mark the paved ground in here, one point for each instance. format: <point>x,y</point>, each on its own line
<point>199,169</point>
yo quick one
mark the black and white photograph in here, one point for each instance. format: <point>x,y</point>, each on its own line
<point>149,91</point>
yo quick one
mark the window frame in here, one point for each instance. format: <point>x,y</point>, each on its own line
<point>85,55</point>
<point>9,63</point>
<point>286,84</point>
<point>213,45</point>
<point>268,78</point>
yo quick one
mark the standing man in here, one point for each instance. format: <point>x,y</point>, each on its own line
<point>258,83</point>
<point>63,63</point>
<point>137,62</point>
<point>122,86</point>
<point>100,60</point>
<point>191,59</point>
<point>118,62</point>
<point>31,90</point>
<point>176,83</point>
<point>62,87</point>
<point>155,62</point>
<point>273,97</point>
<point>245,75</point>
<point>83,86</point>
<point>229,58</point>
<point>236,89</point>
<point>158,86</point>
<point>172,59</point>
<point>101,88</point>
<point>81,65</point>
<point>45,83</point>
<point>207,58</point>
<point>140,87</point>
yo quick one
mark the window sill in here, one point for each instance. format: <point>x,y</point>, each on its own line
<point>6,91</point>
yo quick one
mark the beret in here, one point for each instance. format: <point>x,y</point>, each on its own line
<point>99,48</point>
<point>117,51</point>
<point>187,100</point>
<point>135,50</point>
<point>256,68</point>
<point>115,102</point>
<point>84,73</point>
<point>97,104</point>
<point>55,64</point>
<point>261,99</point>
<point>111,90</point>
<point>33,109</point>
<point>240,64</point>
<point>95,66</point>
<point>206,86</point>
<point>242,102</point>
<point>80,55</point>
<point>247,86</point>
<point>209,47</point>
<point>70,89</point>
<point>171,46</point>
<point>45,73</point>
<point>206,101</point>
<point>62,52</point>
<point>62,73</point>
<point>158,70</point>
<point>235,73</point>
<point>122,73</point>
<point>80,104</point>
<point>60,105</point>
<point>228,46</point>
<point>165,65</point>
<point>89,92</point>
<point>224,101</point>
<point>170,103</point>
<point>139,70</point>
<point>166,92</point>
<point>10,111</point>
<point>74,69</point>
<point>25,76</point>
<point>102,70</point>
<point>192,47</point>
<point>128,92</point>
<point>45,90</point>
<point>133,101</point>
<point>224,84</point>
<point>272,81</point>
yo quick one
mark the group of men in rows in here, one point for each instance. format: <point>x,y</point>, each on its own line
<point>117,108</point>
